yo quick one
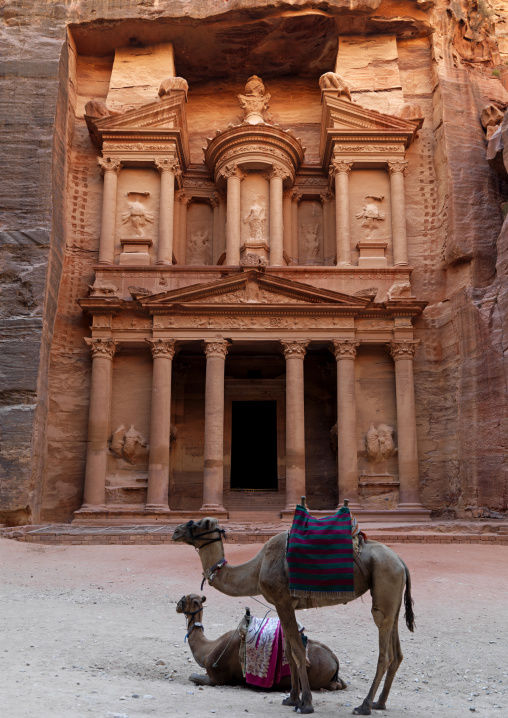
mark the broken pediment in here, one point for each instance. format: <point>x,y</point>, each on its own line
<point>251,288</point>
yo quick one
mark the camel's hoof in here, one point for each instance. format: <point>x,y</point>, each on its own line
<point>303,709</point>
<point>378,706</point>
<point>362,711</point>
<point>290,701</point>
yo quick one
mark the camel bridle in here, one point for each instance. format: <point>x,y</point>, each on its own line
<point>191,623</point>
<point>221,532</point>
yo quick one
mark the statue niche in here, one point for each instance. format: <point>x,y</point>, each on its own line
<point>137,218</point>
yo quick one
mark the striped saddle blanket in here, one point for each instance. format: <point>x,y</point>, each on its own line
<point>320,555</point>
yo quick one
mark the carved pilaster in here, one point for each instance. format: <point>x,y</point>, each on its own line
<point>100,347</point>
<point>296,196</point>
<point>397,166</point>
<point>217,348</point>
<point>326,197</point>
<point>344,348</point>
<point>404,349</point>
<point>162,347</point>
<point>294,348</point>
<point>214,200</point>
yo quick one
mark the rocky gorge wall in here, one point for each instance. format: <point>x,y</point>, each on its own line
<point>445,54</point>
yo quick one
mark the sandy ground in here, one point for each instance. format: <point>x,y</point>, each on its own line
<point>92,631</point>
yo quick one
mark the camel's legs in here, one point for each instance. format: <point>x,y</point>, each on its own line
<point>385,625</point>
<point>397,657</point>
<point>201,680</point>
<point>290,627</point>
<point>294,697</point>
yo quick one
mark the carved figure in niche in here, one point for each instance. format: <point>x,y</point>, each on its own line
<point>137,214</point>
<point>311,241</point>
<point>399,290</point>
<point>379,443</point>
<point>256,219</point>
<point>254,103</point>
<point>332,81</point>
<point>103,289</point>
<point>198,245</point>
<point>253,260</point>
<point>371,215</point>
<point>129,445</point>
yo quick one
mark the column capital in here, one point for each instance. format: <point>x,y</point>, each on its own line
<point>217,348</point>
<point>162,348</point>
<point>277,172</point>
<point>294,348</point>
<point>232,170</point>
<point>183,197</point>
<point>100,347</point>
<point>404,349</point>
<point>327,197</point>
<point>109,164</point>
<point>214,200</point>
<point>165,164</point>
<point>397,166</point>
<point>296,195</point>
<point>338,167</point>
<point>344,348</point>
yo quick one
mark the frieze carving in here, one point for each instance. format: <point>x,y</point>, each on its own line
<point>254,149</point>
<point>368,148</point>
<point>344,348</point>
<point>340,167</point>
<point>109,164</point>
<point>255,102</point>
<point>403,349</point>
<point>215,348</point>
<point>397,166</point>
<point>102,348</point>
<point>162,348</point>
<point>137,146</point>
<point>293,348</point>
<point>222,322</point>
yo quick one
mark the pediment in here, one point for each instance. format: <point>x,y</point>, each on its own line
<point>252,288</point>
<point>346,116</point>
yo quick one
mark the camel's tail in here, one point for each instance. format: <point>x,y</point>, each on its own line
<point>408,602</point>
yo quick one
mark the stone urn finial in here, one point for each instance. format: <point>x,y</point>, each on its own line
<point>254,103</point>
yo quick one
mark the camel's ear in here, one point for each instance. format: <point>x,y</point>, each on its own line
<point>203,599</point>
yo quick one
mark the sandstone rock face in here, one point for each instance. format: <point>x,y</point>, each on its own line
<point>437,55</point>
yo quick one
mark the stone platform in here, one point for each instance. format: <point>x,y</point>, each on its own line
<point>479,531</point>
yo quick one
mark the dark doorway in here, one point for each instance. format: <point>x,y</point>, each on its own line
<point>254,446</point>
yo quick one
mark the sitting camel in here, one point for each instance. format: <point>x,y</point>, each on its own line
<point>379,569</point>
<point>221,658</point>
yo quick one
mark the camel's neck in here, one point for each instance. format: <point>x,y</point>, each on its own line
<point>199,644</point>
<point>242,580</point>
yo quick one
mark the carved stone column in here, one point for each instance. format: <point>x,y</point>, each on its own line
<point>213,476</point>
<point>168,169</point>
<point>294,353</point>
<point>110,168</point>
<point>328,234</point>
<point>163,351</point>
<point>286,218</point>
<point>184,201</point>
<point>233,176</point>
<point>215,203</point>
<point>103,350</point>
<point>398,201</point>
<point>222,223</point>
<point>345,353</point>
<point>295,200</point>
<point>409,490</point>
<point>276,177</point>
<point>340,171</point>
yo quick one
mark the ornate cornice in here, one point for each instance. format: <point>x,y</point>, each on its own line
<point>404,349</point>
<point>344,348</point>
<point>162,348</point>
<point>294,348</point>
<point>215,348</point>
<point>397,167</point>
<point>109,164</point>
<point>103,348</point>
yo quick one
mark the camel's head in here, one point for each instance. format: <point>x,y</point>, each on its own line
<point>190,604</point>
<point>199,533</point>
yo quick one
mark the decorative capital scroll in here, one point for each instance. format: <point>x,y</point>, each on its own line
<point>404,349</point>
<point>338,167</point>
<point>183,198</point>
<point>168,165</point>
<point>162,348</point>
<point>214,200</point>
<point>327,197</point>
<point>294,348</point>
<point>277,171</point>
<point>296,196</point>
<point>397,166</point>
<point>102,348</point>
<point>109,164</point>
<point>232,170</point>
<point>215,348</point>
<point>344,348</point>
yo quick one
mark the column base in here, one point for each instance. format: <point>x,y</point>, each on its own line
<point>165,262</point>
<point>352,506</point>
<point>90,508</point>
<point>213,508</point>
<point>157,508</point>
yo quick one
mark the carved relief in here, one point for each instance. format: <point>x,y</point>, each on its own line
<point>129,445</point>
<point>198,247</point>
<point>332,81</point>
<point>171,84</point>
<point>369,148</point>
<point>256,220</point>
<point>100,288</point>
<point>137,214</point>
<point>379,444</point>
<point>311,242</point>
<point>371,215</point>
<point>399,290</point>
<point>250,259</point>
<point>254,103</point>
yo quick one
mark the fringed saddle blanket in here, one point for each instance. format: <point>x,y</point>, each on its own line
<point>265,663</point>
<point>320,555</point>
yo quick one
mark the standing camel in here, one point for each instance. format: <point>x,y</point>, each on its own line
<point>266,574</point>
<point>221,658</point>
